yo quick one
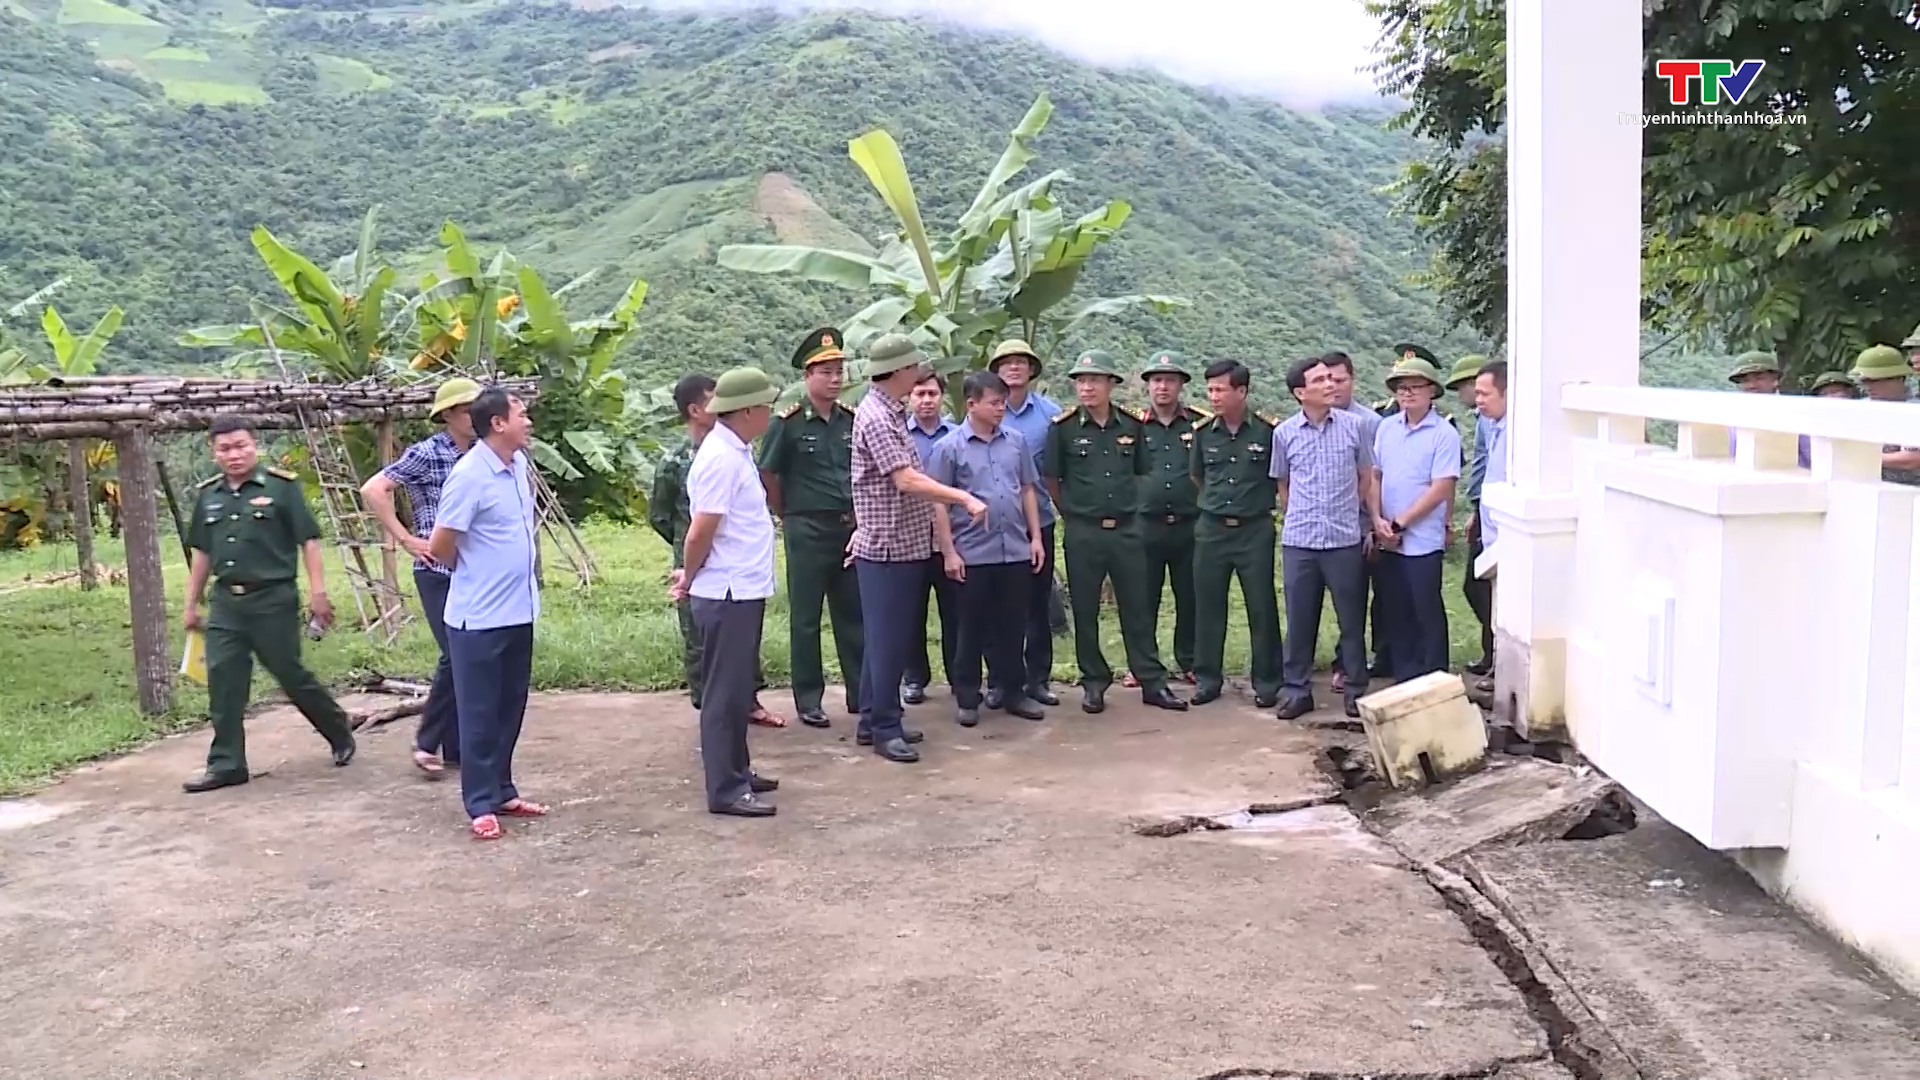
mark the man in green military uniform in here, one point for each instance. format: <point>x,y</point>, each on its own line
<point>251,529</point>
<point>671,515</point>
<point>1093,467</point>
<point>1167,506</point>
<point>1883,375</point>
<point>1231,463</point>
<point>806,462</point>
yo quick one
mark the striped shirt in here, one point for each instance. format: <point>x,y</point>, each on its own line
<point>888,526</point>
<point>1321,465</point>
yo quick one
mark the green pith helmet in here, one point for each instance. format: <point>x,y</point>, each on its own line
<point>741,388</point>
<point>1832,378</point>
<point>452,394</point>
<point>1753,363</point>
<point>1415,368</point>
<point>1400,353</point>
<point>1015,347</point>
<point>1912,341</point>
<point>1880,362</point>
<point>891,352</point>
<point>1094,362</point>
<point>821,346</point>
<point>1165,362</point>
<point>1466,369</point>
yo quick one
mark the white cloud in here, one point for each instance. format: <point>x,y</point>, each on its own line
<point>1304,52</point>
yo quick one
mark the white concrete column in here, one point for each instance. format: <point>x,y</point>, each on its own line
<point>1573,313</point>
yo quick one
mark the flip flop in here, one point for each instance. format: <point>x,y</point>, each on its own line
<point>761,716</point>
<point>486,827</point>
<point>522,808</point>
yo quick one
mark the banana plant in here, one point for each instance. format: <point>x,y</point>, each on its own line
<point>1008,266</point>
<point>345,323</point>
<point>14,364</point>
<point>33,486</point>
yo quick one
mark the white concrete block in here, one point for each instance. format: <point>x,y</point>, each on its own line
<point>1429,716</point>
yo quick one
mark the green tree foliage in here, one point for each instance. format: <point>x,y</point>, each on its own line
<point>1804,238</point>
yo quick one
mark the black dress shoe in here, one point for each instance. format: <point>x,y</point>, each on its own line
<point>1093,700</point>
<point>897,750</point>
<point>1043,695</point>
<point>1353,708</point>
<point>914,695</point>
<point>1206,695</point>
<point>967,717</point>
<point>745,806</point>
<point>1026,710</point>
<point>993,699</point>
<point>814,717</point>
<point>865,738</point>
<point>760,785</point>
<point>1265,701</point>
<point>213,781</point>
<point>1163,698</point>
<point>344,754</point>
<point>1297,708</point>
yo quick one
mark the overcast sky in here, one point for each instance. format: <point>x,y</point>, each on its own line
<point>1305,52</point>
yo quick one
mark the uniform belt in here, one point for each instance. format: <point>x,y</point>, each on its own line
<point>1109,523</point>
<point>246,588</point>
<point>844,517</point>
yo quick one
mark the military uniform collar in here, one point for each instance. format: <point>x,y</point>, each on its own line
<point>257,476</point>
<point>808,412</point>
<point>1114,413</point>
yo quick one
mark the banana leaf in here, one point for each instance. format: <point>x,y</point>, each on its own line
<point>1014,158</point>
<point>842,268</point>
<point>879,157</point>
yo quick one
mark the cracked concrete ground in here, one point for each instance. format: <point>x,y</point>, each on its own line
<point>989,912</point>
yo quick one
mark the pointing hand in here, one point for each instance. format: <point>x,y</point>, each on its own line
<point>976,510</point>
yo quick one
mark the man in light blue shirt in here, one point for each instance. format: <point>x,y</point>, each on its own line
<point>1479,593</point>
<point>992,559</point>
<point>927,425</point>
<point>1491,389</point>
<point>1416,460</point>
<point>1028,415</point>
<point>486,531</point>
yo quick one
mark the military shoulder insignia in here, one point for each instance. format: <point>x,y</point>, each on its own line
<point>1143,415</point>
<point>1208,419</point>
<point>282,473</point>
<point>1066,414</point>
<point>1198,411</point>
<point>787,413</point>
<point>843,407</point>
<point>208,482</point>
<point>1272,421</point>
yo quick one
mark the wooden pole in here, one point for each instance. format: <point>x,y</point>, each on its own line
<point>82,505</point>
<point>146,585</point>
<point>389,560</point>
<point>173,509</point>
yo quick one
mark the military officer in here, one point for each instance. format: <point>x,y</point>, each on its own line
<point>1230,464</point>
<point>1167,507</point>
<point>1093,466</point>
<point>251,528</point>
<point>806,463</point>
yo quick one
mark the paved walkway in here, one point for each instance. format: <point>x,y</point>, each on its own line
<point>990,912</point>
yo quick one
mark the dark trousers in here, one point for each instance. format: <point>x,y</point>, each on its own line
<point>1479,594</point>
<point>1373,600</point>
<point>816,552</point>
<point>1169,546</point>
<point>1096,555</point>
<point>947,599</point>
<point>1306,577</point>
<point>1042,598</point>
<point>439,731</point>
<point>886,611</point>
<point>729,666</point>
<point>263,623</point>
<point>492,670</point>
<point>990,629</point>
<point>1222,552</point>
<point>1416,626</point>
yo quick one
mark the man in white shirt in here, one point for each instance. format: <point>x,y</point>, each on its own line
<point>728,574</point>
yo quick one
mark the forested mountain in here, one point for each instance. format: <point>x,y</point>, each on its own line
<point>139,147</point>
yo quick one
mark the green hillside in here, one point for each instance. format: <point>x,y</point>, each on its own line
<point>143,142</point>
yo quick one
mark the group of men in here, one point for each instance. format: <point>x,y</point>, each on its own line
<point>1879,373</point>
<point>883,507</point>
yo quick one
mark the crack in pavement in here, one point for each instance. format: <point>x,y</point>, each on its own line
<point>1187,823</point>
<point>1486,1071</point>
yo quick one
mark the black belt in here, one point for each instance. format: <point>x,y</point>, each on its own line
<point>844,517</point>
<point>244,588</point>
<point>1234,522</point>
<point>1174,519</point>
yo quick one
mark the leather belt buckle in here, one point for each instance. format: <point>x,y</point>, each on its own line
<point>846,519</point>
<point>1109,523</point>
<point>239,589</point>
<point>1231,523</point>
<point>1173,519</point>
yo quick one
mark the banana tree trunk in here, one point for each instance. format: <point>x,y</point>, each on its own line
<point>77,495</point>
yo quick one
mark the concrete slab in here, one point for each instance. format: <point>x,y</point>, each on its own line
<point>1512,800</point>
<point>1695,972</point>
<point>986,913</point>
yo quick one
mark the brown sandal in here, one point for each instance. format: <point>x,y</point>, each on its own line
<point>429,764</point>
<point>522,808</point>
<point>761,716</point>
<point>486,827</point>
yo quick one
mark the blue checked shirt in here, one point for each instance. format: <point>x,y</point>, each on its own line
<point>1322,466</point>
<point>423,472</point>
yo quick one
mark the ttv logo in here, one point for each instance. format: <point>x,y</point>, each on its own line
<point>1716,77</point>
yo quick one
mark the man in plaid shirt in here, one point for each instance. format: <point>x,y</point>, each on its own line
<point>422,471</point>
<point>892,538</point>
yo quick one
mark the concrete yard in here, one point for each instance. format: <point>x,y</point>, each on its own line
<point>987,913</point>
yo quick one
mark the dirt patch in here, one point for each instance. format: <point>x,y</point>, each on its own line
<point>613,52</point>
<point>797,219</point>
<point>985,913</point>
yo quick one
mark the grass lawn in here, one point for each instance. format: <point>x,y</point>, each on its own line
<point>210,92</point>
<point>69,696</point>
<point>100,13</point>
